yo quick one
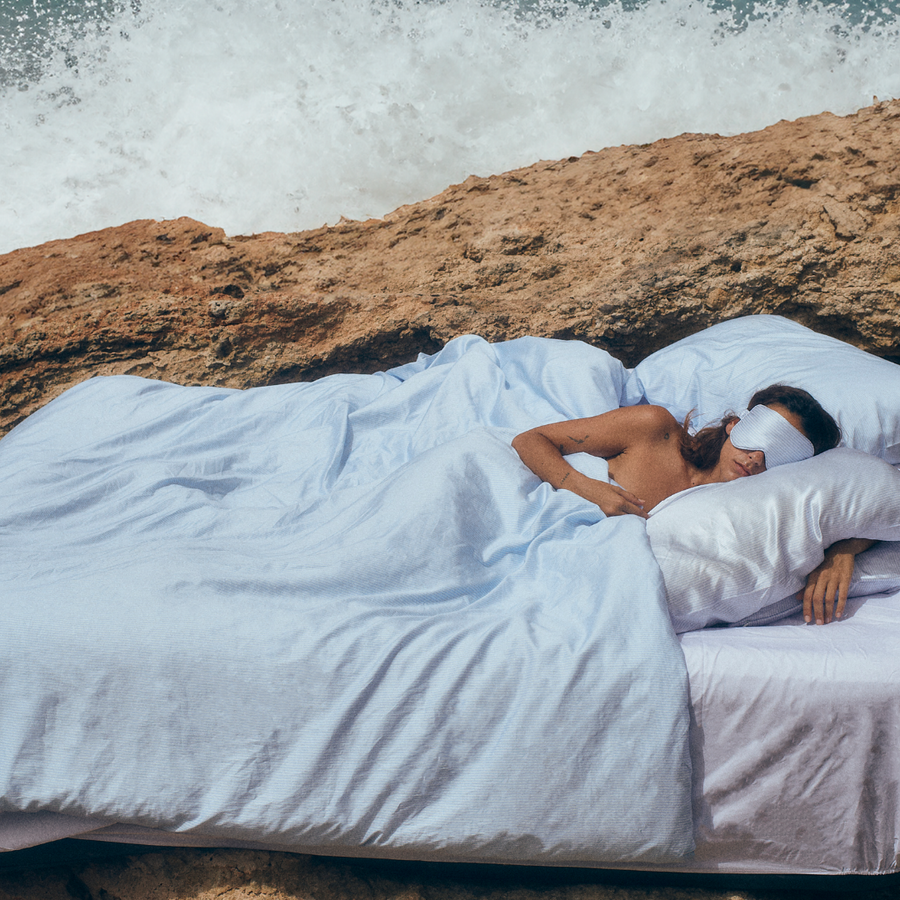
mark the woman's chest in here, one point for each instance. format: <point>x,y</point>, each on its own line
<point>652,473</point>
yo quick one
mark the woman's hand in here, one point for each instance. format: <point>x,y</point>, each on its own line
<point>830,581</point>
<point>613,500</point>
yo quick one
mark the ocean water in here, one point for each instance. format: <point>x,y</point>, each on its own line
<point>282,115</point>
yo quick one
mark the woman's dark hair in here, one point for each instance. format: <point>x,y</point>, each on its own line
<point>704,448</point>
<point>818,426</point>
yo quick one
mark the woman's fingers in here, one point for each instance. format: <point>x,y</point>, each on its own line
<point>809,597</point>
<point>824,607</point>
<point>817,587</point>
<point>629,498</point>
<point>630,504</point>
<point>632,509</point>
<point>842,599</point>
<point>827,587</point>
<point>626,503</point>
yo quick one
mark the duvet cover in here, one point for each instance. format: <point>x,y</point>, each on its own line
<point>339,617</point>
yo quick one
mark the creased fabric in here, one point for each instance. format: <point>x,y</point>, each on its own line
<point>339,617</point>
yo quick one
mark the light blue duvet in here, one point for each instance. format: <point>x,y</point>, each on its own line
<point>339,617</point>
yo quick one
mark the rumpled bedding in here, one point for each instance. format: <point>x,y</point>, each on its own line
<point>339,617</point>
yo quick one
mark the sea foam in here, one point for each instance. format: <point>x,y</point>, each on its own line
<point>260,115</point>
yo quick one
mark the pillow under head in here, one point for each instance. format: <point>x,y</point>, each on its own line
<point>729,550</point>
<point>717,370</point>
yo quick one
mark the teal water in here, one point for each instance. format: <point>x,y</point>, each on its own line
<point>284,114</point>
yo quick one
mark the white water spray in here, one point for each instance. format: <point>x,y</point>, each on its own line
<point>276,115</point>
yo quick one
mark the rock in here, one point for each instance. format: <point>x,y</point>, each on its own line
<point>630,249</point>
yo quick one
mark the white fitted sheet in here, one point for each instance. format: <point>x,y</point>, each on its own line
<point>795,740</point>
<point>795,743</point>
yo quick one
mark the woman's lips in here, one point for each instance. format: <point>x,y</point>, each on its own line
<point>742,470</point>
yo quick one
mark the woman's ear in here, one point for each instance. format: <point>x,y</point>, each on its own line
<point>729,425</point>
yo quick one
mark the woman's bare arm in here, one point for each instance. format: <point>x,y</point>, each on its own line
<point>543,450</point>
<point>831,580</point>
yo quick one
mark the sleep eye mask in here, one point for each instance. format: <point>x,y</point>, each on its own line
<point>764,429</point>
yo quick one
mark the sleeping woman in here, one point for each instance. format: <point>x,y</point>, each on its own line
<point>652,456</point>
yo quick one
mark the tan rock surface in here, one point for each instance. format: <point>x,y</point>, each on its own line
<point>629,248</point>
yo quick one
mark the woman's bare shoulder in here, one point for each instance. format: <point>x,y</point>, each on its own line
<point>653,421</point>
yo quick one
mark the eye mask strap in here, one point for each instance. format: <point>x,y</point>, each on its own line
<point>764,429</point>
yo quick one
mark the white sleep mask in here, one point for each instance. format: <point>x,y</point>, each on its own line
<point>764,429</point>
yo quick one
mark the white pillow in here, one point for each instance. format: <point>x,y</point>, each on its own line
<point>717,370</point>
<point>729,550</point>
<point>876,570</point>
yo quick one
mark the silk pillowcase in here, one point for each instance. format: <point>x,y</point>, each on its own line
<point>717,371</point>
<point>729,550</point>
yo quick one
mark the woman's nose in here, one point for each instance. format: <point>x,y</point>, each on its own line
<point>758,458</point>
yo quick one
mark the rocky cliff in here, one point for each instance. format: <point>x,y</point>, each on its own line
<point>629,249</point>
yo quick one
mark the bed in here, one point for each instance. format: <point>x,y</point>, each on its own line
<point>611,742</point>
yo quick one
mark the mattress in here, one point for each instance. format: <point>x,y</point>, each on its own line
<point>795,745</point>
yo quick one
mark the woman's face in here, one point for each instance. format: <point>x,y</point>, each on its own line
<point>735,463</point>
